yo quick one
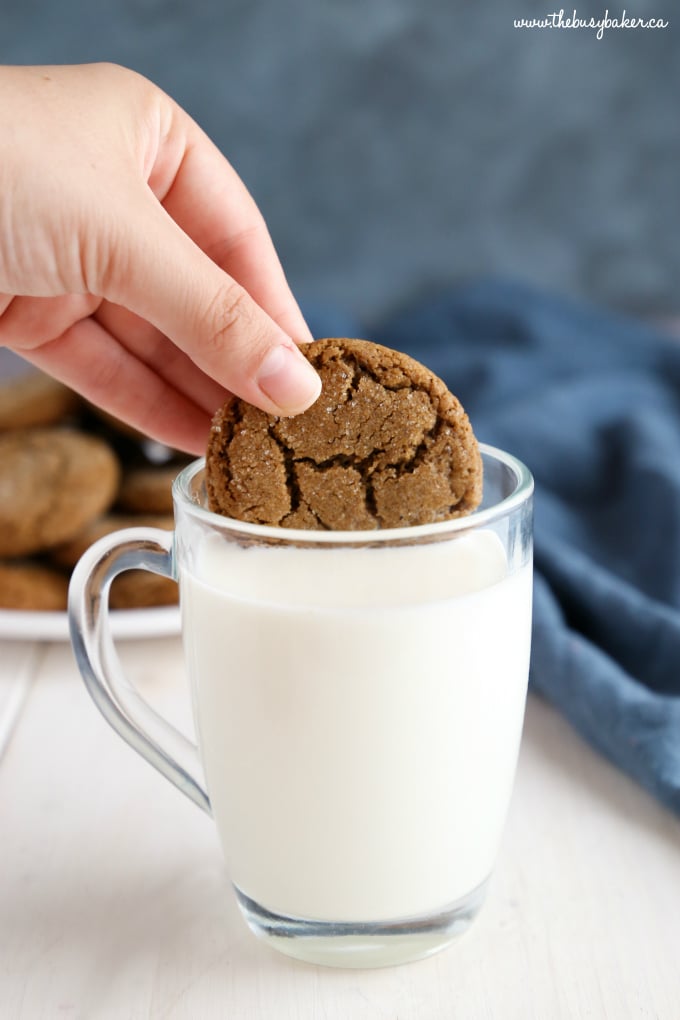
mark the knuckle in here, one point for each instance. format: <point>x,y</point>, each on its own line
<point>250,238</point>
<point>228,319</point>
<point>100,255</point>
<point>103,374</point>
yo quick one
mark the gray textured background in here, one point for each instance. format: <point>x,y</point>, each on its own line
<point>395,145</point>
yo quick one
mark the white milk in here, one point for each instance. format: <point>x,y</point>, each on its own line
<point>359,714</point>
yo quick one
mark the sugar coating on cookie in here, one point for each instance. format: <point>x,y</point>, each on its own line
<point>386,445</point>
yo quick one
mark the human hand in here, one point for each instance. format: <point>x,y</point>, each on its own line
<point>134,265</point>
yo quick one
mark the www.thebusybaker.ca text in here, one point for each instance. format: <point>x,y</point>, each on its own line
<point>558,20</point>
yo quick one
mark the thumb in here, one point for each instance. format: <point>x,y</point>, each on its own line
<point>155,270</point>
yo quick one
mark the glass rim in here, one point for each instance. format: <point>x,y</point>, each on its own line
<point>524,487</point>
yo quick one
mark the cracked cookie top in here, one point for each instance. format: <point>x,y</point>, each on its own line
<point>386,445</point>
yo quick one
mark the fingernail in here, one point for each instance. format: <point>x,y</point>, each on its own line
<point>288,379</point>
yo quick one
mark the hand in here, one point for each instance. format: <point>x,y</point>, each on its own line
<point>134,265</point>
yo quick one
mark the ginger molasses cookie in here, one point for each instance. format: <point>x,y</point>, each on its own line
<point>67,554</point>
<point>53,482</point>
<point>32,586</point>
<point>135,589</point>
<point>140,589</point>
<point>33,399</point>
<point>386,445</point>
<point>148,489</point>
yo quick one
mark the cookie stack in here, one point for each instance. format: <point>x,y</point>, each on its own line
<point>67,477</point>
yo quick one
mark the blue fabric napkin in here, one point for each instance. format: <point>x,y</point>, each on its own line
<point>591,403</point>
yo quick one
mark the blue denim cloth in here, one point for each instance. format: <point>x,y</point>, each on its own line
<point>591,403</point>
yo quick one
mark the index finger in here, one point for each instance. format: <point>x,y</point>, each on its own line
<point>205,196</point>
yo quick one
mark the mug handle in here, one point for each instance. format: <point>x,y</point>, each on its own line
<point>133,719</point>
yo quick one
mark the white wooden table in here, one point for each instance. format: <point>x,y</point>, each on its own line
<point>114,902</point>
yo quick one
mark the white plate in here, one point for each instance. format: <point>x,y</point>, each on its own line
<point>25,625</point>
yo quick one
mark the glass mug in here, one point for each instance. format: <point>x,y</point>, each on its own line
<point>358,700</point>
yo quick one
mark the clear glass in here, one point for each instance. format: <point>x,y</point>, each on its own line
<point>358,700</point>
